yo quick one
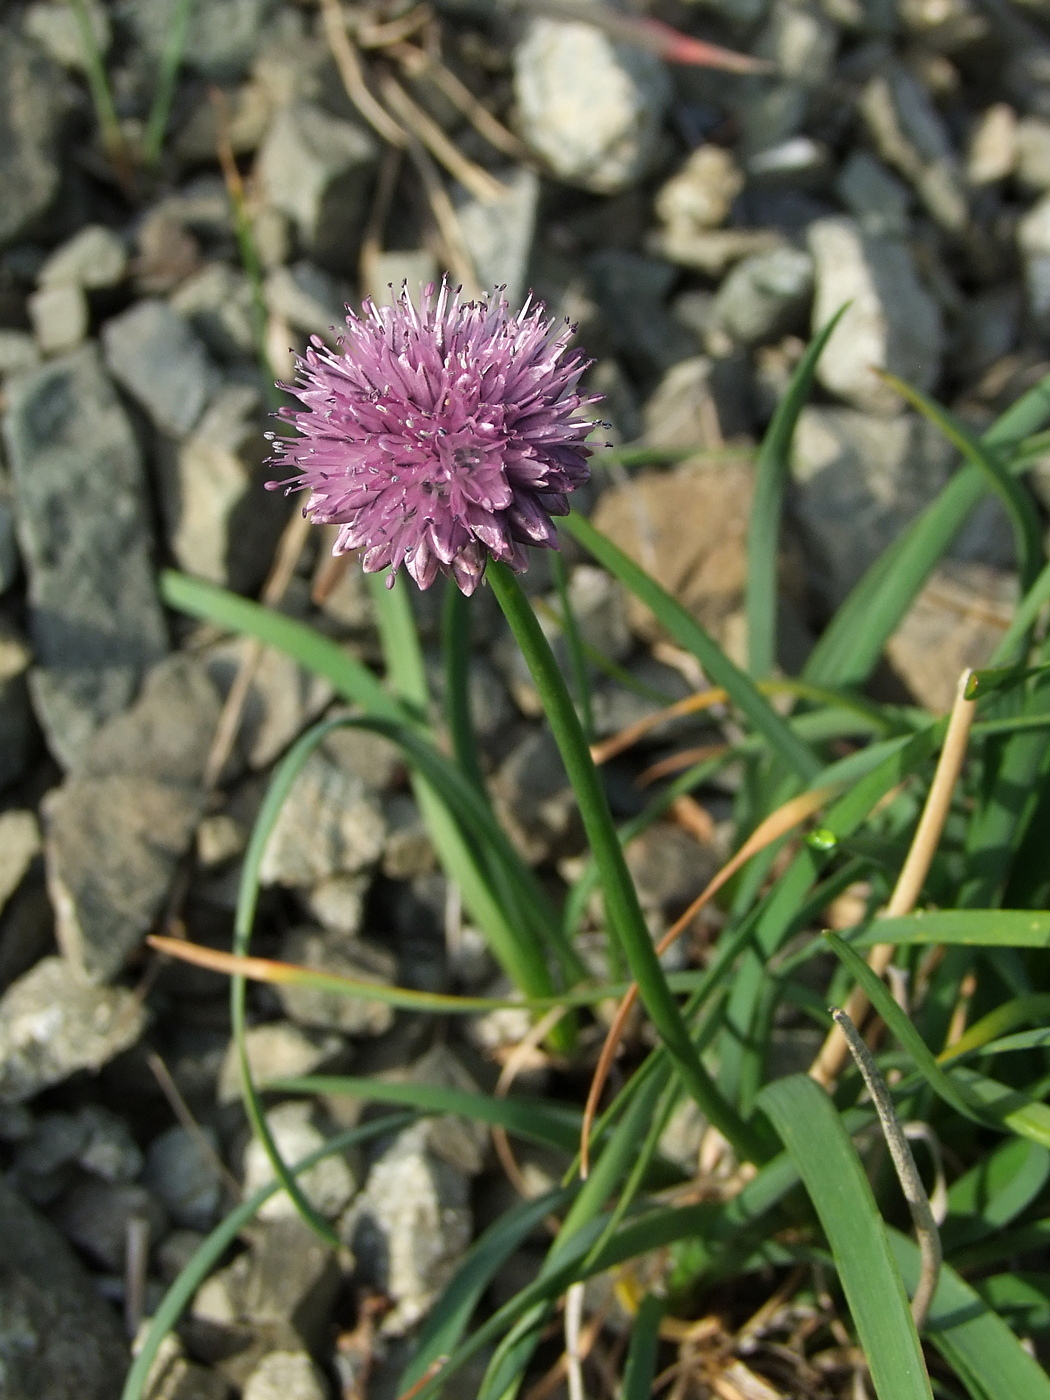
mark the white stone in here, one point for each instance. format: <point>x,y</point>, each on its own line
<point>328,1186</point>
<point>94,257</point>
<point>60,318</point>
<point>285,1375</point>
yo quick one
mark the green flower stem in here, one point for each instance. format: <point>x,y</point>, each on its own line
<point>621,900</point>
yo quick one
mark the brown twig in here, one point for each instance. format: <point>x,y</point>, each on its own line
<point>826,1066</point>
<point>470,175</point>
<point>515,1063</point>
<point>348,61</point>
<point>417,63</point>
<point>372,240</point>
<point>450,230</point>
<point>184,1116</point>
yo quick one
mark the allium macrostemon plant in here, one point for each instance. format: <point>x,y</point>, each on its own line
<point>440,436</point>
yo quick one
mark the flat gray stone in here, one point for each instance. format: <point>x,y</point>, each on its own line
<point>95,620</point>
<point>52,1023</point>
<point>55,27</point>
<point>184,1177</point>
<point>33,101</point>
<point>118,826</point>
<point>297,1131</point>
<point>329,825</point>
<point>59,313</point>
<point>765,296</point>
<point>95,1216</point>
<point>217,302</point>
<point>279,1050</point>
<point>58,1338</point>
<point>153,354</point>
<point>283,699</point>
<point>94,257</point>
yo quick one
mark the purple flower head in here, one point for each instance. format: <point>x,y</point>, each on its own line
<point>439,436</point>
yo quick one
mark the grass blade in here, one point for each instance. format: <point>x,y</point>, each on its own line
<point>640,1369</point>
<point>972,928</point>
<point>817,1143</point>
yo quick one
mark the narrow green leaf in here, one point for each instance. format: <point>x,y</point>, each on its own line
<point>972,928</point>
<point>640,1370</point>
<point>812,1132</point>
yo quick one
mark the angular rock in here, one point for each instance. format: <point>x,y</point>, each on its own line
<point>95,1216</point>
<point>283,699</point>
<point>328,825</point>
<point>32,107</point>
<point>1032,143</point>
<point>318,170</point>
<point>172,1377</point>
<point>498,233</point>
<point>217,302</point>
<point>58,1338</point>
<point>55,27</point>
<point>1033,238</point>
<point>858,481</point>
<point>108,1150</point>
<point>20,844</point>
<point>765,296</point>
<point>309,299</point>
<point>118,826</point>
<point>328,1186</point>
<point>956,622</point>
<point>345,957</point>
<point>16,717</point>
<point>95,621</point>
<point>701,194</point>
<point>222,37</point>
<point>632,291</point>
<point>93,257</point>
<point>534,799</point>
<point>409,1226</point>
<point>183,1177</point>
<point>710,251</point>
<point>408,851</point>
<point>18,353</point>
<point>152,353</point>
<point>876,198</point>
<point>276,1050</point>
<point>591,108</point>
<point>993,145</point>
<point>221,524</point>
<point>701,402</point>
<point>285,1375</point>
<point>59,314</point>
<point>416,266</point>
<point>52,1024</point>
<point>892,322</point>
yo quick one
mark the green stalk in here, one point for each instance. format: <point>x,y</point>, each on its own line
<point>170,63</point>
<point>621,899</point>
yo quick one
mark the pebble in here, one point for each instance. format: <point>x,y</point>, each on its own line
<point>172,1377</point>
<point>858,481</point>
<point>52,1024</point>
<point>118,827</point>
<point>95,620</point>
<point>533,797</point>
<point>409,1227</point>
<point>58,1337</point>
<point>153,354</point>
<point>94,257</point>
<point>279,1050</point>
<point>892,322</point>
<point>59,313</point>
<point>498,233</point>
<point>18,352</point>
<point>33,105</point>
<point>285,1375</point>
<point>217,303</point>
<point>317,169</point>
<point>55,27</point>
<point>589,107</point>
<point>992,153</point>
<point>328,825</point>
<point>96,1215</point>
<point>345,957</point>
<point>765,296</point>
<point>874,196</point>
<point>1033,239</point>
<point>701,194</point>
<point>222,37</point>
<point>183,1177</point>
<point>282,700</point>
<point>296,1132</point>
<point>308,298</point>
<point>414,266</point>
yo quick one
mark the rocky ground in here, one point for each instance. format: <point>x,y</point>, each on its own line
<point>697,225</point>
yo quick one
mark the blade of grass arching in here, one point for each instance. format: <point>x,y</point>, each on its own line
<point>113,142</point>
<point>1028,532</point>
<point>209,603</point>
<point>772,469</point>
<point>535,1120</point>
<point>973,1339</point>
<point>620,897</point>
<point>574,646</point>
<point>455,644</point>
<point>214,1246</point>
<point>994,1193</point>
<point>448,1318</point>
<point>1031,605</point>
<point>717,666</point>
<point>1023,1296</point>
<point>852,643</point>
<point>812,1132</point>
<point>170,63</point>
<point>975,928</point>
<point>1018,1011</point>
<point>640,1369</point>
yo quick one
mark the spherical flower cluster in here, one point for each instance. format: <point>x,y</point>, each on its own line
<point>438,436</point>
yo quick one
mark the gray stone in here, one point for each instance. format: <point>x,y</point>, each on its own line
<point>118,826</point>
<point>1033,238</point>
<point>591,108</point>
<point>328,825</point>
<point>345,957</point>
<point>9,561</point>
<point>297,1132</point>
<point>20,844</point>
<point>499,233</point>
<point>222,37</point>
<point>95,1216</point>
<point>58,1338</point>
<point>698,404</point>
<point>318,170</point>
<point>217,302</point>
<point>374,761</point>
<point>534,799</point>
<point>175,1252</point>
<point>18,352</point>
<point>764,296</point>
<point>183,1177</point>
<point>701,194</point>
<point>220,521</point>
<point>283,699</point>
<point>876,198</point>
<point>409,1226</point>
<point>45,1162</point>
<point>152,353</point>
<point>52,1024</point>
<point>93,257</point>
<point>992,152</point>
<point>801,40</point>
<point>462,1142</point>
<point>95,620</point>
<point>16,719</point>
<point>910,135</point>
<point>892,322</point>
<point>172,1377</point>
<point>632,291</point>
<point>308,298</point>
<point>286,1375</point>
<point>388,270</point>
<point>710,251</point>
<point>408,851</point>
<point>55,27</point>
<point>858,481</point>
<point>669,868</point>
<point>1032,139</point>
<point>108,1150</point>
<point>279,1050</point>
<point>32,107</point>
<point>59,313</point>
